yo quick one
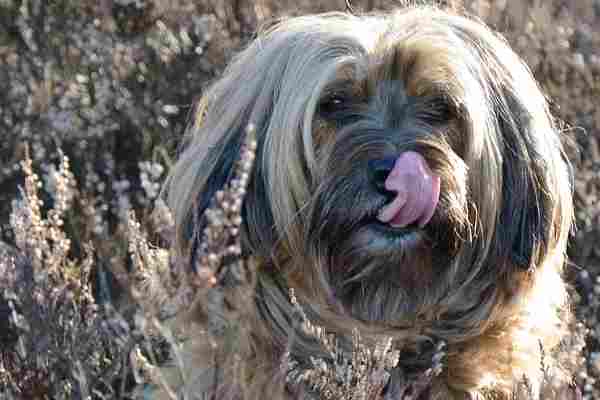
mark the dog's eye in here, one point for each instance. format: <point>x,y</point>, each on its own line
<point>332,104</point>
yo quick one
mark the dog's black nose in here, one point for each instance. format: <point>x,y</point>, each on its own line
<point>379,171</point>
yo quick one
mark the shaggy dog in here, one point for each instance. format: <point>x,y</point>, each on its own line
<point>409,183</point>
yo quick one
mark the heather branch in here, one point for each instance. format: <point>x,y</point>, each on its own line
<point>220,248</point>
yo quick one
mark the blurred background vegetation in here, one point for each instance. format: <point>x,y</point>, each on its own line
<point>113,84</point>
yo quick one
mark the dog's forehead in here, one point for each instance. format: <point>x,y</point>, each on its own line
<point>394,79</point>
<point>418,69</point>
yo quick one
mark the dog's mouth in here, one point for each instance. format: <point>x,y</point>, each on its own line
<point>385,237</point>
<point>369,220</point>
<point>416,192</point>
<point>392,230</point>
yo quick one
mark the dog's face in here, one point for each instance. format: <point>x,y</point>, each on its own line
<point>407,169</point>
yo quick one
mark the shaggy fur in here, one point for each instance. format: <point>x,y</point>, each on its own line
<point>329,93</point>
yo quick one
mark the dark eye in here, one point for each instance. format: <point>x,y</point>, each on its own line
<point>332,104</point>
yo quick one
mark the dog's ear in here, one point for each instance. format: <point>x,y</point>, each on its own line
<point>520,175</point>
<point>219,168</point>
<point>275,83</point>
<point>534,173</point>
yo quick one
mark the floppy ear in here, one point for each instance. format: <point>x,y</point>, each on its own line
<point>243,95</point>
<point>218,166</point>
<point>533,212</point>
<point>275,84</point>
<point>533,175</point>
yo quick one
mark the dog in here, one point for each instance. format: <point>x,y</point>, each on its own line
<point>409,182</point>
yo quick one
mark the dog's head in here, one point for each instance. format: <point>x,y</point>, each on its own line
<point>407,170</point>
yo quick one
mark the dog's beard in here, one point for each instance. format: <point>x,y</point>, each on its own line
<point>381,272</point>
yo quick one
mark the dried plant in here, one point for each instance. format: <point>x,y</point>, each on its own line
<point>359,374</point>
<point>44,239</point>
<point>57,347</point>
<point>220,250</point>
<point>164,287</point>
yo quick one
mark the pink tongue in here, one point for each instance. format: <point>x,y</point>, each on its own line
<point>417,192</point>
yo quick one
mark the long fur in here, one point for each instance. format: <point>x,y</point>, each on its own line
<point>484,275</point>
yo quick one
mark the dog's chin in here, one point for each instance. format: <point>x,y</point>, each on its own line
<point>376,250</point>
<point>379,263</point>
<point>379,239</point>
<point>395,236</point>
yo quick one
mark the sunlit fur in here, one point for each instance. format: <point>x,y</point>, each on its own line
<point>484,275</point>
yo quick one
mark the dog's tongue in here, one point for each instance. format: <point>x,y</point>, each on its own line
<point>417,192</point>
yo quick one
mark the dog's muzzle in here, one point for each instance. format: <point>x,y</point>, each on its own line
<point>413,188</point>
